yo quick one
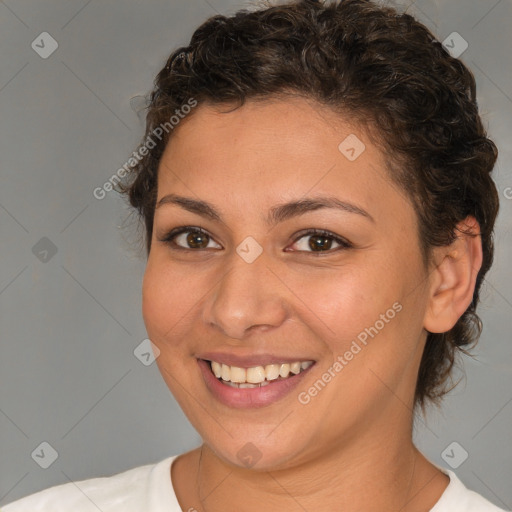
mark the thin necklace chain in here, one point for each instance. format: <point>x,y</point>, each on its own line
<point>198,483</point>
<point>410,481</point>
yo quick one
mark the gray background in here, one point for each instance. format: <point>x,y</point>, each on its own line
<point>70,321</point>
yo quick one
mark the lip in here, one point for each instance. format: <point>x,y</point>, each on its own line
<point>249,361</point>
<point>250,397</point>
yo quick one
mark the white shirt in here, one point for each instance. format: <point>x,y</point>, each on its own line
<point>149,489</point>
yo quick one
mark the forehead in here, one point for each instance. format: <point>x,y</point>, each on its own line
<point>275,150</point>
<point>293,124</point>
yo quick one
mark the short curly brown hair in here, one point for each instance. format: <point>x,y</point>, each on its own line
<point>386,71</point>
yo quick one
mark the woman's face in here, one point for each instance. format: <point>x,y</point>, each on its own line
<point>255,289</point>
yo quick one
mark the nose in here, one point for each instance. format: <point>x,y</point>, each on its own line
<point>249,296</point>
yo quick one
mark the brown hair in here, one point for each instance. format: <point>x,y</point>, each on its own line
<point>385,70</point>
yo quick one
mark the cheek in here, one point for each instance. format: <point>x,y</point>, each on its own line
<point>153,299</point>
<point>167,295</point>
<point>344,302</point>
<point>361,312</point>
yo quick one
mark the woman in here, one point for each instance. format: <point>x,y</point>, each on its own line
<point>315,183</point>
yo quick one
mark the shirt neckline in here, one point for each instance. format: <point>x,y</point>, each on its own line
<point>166,500</point>
<point>451,497</point>
<point>162,493</point>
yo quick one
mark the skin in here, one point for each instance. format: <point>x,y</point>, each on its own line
<point>356,434</point>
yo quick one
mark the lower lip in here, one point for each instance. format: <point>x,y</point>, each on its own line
<point>249,397</point>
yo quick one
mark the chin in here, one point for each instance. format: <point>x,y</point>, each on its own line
<point>261,454</point>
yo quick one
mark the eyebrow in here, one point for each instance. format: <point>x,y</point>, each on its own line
<point>278,213</point>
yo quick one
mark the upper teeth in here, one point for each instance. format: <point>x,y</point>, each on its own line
<point>257,374</point>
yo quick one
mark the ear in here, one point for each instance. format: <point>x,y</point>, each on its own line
<point>452,282</point>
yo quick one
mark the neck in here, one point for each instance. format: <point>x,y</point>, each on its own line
<point>382,473</point>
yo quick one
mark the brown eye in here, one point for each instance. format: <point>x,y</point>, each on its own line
<point>197,240</point>
<point>320,243</point>
<point>189,238</point>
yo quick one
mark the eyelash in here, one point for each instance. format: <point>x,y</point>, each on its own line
<point>169,239</point>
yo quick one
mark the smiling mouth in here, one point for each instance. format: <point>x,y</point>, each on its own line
<point>257,376</point>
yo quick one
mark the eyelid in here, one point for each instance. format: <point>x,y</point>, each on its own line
<point>343,243</point>
<point>169,237</point>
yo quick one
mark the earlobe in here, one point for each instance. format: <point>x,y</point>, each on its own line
<point>453,280</point>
